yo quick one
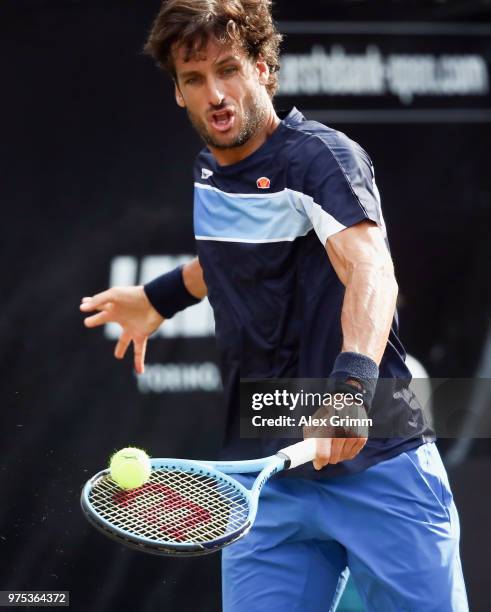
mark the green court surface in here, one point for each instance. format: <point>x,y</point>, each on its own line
<point>350,601</point>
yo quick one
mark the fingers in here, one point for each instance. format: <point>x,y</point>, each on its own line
<point>122,345</point>
<point>323,452</point>
<point>97,301</point>
<point>359,443</point>
<point>335,450</point>
<point>337,447</point>
<point>108,305</point>
<point>87,306</point>
<point>98,319</point>
<point>350,448</point>
<point>140,347</point>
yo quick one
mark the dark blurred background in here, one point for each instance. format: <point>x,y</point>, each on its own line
<point>96,189</point>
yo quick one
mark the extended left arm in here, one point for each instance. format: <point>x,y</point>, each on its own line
<point>363,264</point>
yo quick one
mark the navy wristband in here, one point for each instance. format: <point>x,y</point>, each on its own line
<point>355,366</point>
<point>168,293</point>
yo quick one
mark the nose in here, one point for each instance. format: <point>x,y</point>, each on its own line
<point>215,94</point>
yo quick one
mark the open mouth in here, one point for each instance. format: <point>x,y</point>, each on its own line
<point>222,120</point>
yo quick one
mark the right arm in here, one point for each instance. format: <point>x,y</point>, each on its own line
<point>192,275</point>
<point>139,316</point>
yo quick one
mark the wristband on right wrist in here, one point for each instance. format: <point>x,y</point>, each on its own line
<point>168,293</point>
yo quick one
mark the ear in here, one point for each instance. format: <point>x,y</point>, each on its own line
<point>263,71</point>
<point>178,94</point>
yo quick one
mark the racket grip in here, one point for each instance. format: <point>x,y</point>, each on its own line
<point>300,453</point>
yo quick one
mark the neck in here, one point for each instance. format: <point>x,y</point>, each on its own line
<point>226,157</point>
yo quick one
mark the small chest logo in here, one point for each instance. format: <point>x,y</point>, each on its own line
<point>263,182</point>
<point>205,173</point>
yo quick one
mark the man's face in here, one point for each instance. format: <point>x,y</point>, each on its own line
<point>224,94</point>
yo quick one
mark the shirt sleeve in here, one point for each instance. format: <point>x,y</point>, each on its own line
<point>339,187</point>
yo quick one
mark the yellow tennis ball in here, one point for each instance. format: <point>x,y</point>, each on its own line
<point>130,468</point>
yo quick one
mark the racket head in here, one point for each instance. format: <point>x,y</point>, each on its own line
<point>186,508</point>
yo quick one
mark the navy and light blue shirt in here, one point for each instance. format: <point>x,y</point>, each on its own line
<point>261,226</point>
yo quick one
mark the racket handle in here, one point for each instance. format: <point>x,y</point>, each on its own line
<point>300,453</point>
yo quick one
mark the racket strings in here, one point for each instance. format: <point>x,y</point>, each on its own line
<point>174,506</point>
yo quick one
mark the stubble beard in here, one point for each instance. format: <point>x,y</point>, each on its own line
<point>252,121</point>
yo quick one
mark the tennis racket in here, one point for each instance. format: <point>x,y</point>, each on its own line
<point>186,508</point>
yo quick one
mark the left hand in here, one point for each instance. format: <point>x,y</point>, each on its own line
<point>335,444</point>
<point>334,450</point>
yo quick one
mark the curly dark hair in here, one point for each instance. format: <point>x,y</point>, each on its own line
<point>243,24</point>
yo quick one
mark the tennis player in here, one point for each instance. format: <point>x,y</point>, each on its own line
<point>293,256</point>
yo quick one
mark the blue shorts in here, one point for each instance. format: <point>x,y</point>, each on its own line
<point>394,527</point>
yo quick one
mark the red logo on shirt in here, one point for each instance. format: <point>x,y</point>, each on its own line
<point>263,182</point>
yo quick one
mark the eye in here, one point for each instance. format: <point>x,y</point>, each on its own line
<point>229,70</point>
<point>190,81</point>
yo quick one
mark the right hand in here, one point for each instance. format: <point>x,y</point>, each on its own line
<point>130,307</point>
